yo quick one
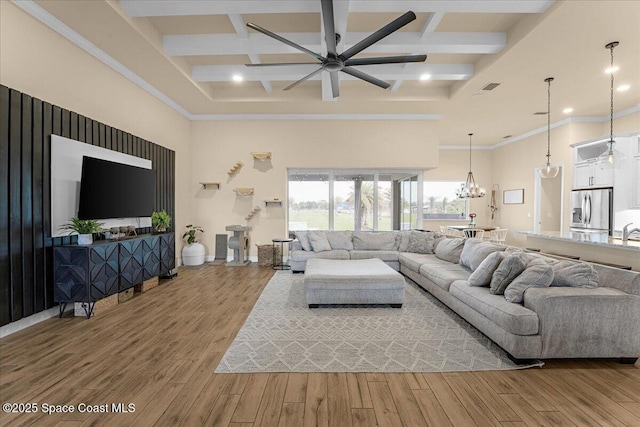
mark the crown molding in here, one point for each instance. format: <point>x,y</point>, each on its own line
<point>429,117</point>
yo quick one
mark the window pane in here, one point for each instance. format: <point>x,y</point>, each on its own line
<point>309,201</point>
<point>344,218</point>
<point>441,202</point>
<point>385,202</point>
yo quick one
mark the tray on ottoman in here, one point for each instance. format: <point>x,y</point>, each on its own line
<point>360,281</point>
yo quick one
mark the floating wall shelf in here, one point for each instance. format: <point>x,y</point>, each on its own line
<point>235,169</point>
<point>213,185</point>
<point>273,202</point>
<point>253,213</point>
<point>261,155</point>
<point>240,191</point>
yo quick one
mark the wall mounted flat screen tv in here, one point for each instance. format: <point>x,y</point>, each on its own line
<point>115,190</point>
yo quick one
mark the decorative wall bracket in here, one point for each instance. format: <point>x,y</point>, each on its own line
<point>235,169</point>
<point>261,155</point>
<point>244,191</point>
<point>253,213</point>
<point>212,185</point>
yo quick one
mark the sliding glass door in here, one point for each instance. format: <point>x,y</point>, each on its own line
<point>340,199</point>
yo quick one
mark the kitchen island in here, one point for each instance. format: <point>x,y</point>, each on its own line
<point>593,247</point>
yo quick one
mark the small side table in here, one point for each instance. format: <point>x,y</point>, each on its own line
<point>278,264</point>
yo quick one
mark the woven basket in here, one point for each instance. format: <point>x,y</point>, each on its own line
<point>265,255</point>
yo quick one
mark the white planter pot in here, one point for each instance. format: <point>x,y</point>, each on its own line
<point>193,254</point>
<point>85,239</point>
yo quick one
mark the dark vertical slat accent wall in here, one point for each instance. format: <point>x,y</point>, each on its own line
<point>26,254</point>
<point>5,263</point>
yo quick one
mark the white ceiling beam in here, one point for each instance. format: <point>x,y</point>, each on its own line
<point>140,8</point>
<point>241,30</point>
<point>231,44</point>
<point>429,27</point>
<point>223,73</point>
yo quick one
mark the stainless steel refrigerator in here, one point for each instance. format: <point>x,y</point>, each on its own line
<point>592,210</point>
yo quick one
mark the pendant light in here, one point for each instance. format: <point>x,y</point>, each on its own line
<point>611,158</point>
<point>549,171</point>
<point>470,190</point>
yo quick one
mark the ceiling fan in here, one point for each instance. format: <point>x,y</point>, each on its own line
<point>333,63</point>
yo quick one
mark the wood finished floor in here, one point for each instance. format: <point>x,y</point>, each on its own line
<point>159,351</point>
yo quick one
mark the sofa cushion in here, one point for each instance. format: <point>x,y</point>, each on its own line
<point>383,255</point>
<point>403,244</point>
<point>450,249</point>
<point>444,276</point>
<point>368,240</point>
<point>538,274</point>
<point>414,261</point>
<point>303,238</point>
<point>422,242</point>
<point>482,275</point>
<point>475,251</point>
<point>574,274</point>
<point>319,241</point>
<point>340,239</point>
<point>510,268</point>
<point>303,256</point>
<point>513,318</point>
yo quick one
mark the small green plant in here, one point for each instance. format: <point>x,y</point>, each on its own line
<point>161,220</point>
<point>191,233</point>
<point>83,226</point>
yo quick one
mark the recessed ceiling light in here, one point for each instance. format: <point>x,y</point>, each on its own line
<point>568,110</point>
<point>237,78</point>
<point>612,69</point>
<point>623,88</point>
<point>425,77</point>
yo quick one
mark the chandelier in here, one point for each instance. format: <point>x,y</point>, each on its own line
<point>470,190</point>
<point>549,171</point>
<point>611,158</point>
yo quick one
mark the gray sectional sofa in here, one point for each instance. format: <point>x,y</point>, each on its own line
<point>531,305</point>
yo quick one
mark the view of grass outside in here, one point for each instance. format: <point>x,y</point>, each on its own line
<point>441,202</point>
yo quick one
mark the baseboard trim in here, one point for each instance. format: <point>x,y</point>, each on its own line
<point>34,319</point>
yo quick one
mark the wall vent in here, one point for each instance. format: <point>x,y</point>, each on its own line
<point>540,113</point>
<point>491,86</point>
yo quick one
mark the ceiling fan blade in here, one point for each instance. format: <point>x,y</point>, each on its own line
<point>329,27</point>
<point>307,77</point>
<point>279,64</point>
<point>285,41</point>
<point>366,77</point>
<point>378,35</point>
<point>335,84</point>
<point>386,60</point>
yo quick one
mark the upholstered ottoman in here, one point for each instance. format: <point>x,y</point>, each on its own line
<point>359,281</point>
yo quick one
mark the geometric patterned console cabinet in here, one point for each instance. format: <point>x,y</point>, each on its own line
<point>87,273</point>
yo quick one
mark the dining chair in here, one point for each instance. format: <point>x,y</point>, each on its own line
<point>452,232</point>
<point>473,233</point>
<point>499,235</point>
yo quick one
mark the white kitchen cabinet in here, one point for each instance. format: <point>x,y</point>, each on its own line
<point>636,181</point>
<point>589,174</point>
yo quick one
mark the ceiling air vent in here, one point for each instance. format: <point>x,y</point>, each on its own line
<point>491,86</point>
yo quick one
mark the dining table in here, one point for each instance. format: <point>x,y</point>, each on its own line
<point>467,226</point>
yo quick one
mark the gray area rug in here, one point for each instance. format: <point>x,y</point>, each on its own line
<point>282,334</point>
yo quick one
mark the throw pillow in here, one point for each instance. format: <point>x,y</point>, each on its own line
<point>450,249</point>
<point>538,274</point>
<point>575,274</point>
<point>475,251</point>
<point>421,242</point>
<point>340,240</point>
<point>303,238</point>
<point>403,245</point>
<point>482,275</point>
<point>371,240</point>
<point>510,268</point>
<point>319,241</point>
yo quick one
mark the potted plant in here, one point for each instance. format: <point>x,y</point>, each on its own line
<point>193,253</point>
<point>85,229</point>
<point>161,221</point>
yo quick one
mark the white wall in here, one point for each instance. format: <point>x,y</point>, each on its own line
<point>218,145</point>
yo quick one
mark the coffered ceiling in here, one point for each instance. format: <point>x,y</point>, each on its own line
<point>189,52</point>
